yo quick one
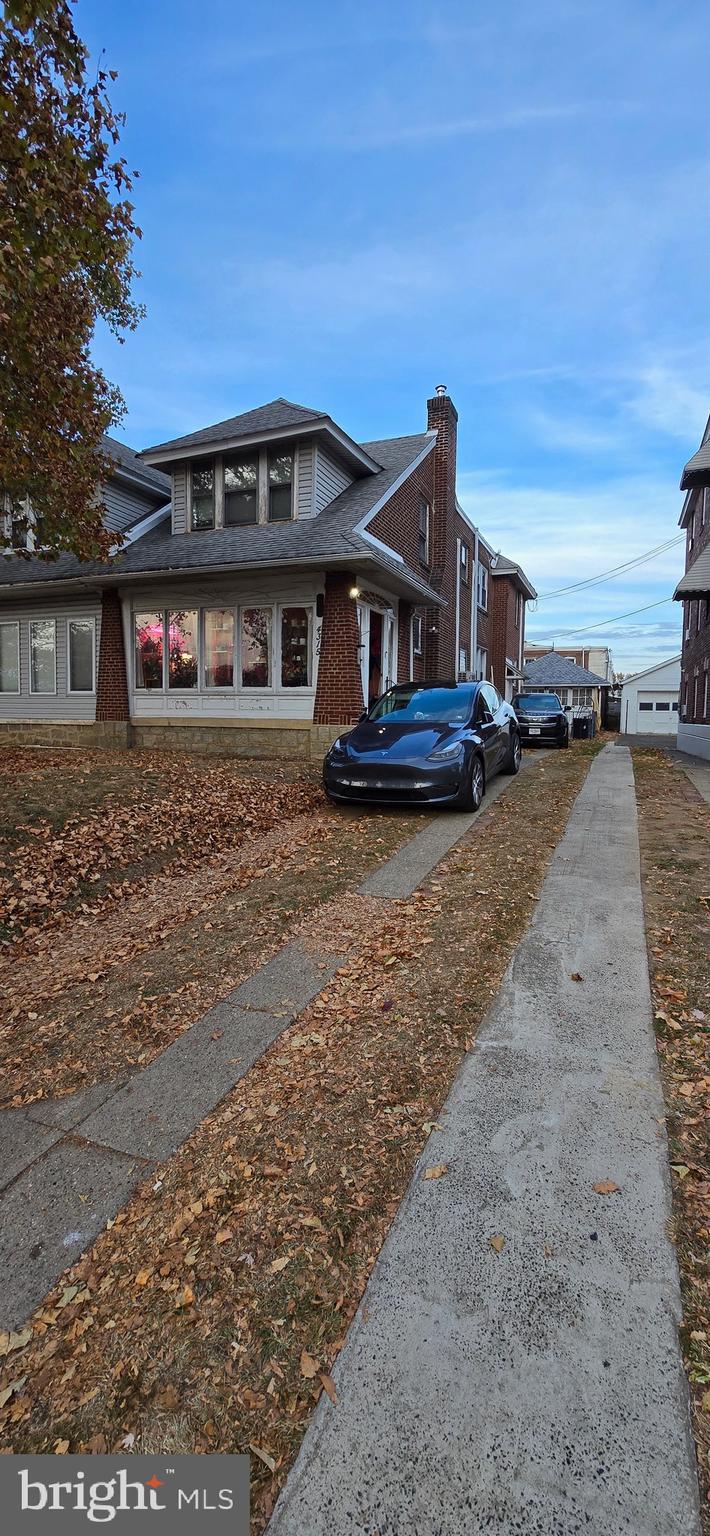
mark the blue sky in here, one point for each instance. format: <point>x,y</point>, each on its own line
<point>348,204</point>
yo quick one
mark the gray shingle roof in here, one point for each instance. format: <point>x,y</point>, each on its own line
<point>273,417</point>
<point>506,567</point>
<point>696,581</point>
<point>331,536</point>
<point>697,469</point>
<point>127,459</point>
<point>554,670</point>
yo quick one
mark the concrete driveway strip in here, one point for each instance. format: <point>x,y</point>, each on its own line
<point>537,1389</point>
<point>411,864</point>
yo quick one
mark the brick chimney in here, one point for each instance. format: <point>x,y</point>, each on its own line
<point>442,418</point>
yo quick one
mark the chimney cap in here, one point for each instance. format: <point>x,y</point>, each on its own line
<point>441,389</point>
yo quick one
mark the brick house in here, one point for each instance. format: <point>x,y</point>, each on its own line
<point>511,591</point>
<point>274,575</point>
<point>693,590</point>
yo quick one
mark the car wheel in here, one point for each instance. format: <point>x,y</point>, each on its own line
<point>514,758</point>
<point>475,786</point>
<point>565,740</point>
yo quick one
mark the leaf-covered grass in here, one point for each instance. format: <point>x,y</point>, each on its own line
<point>210,1313</point>
<point>130,916</point>
<point>674,834</point>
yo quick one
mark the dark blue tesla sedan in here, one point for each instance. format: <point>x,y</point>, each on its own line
<point>439,743</point>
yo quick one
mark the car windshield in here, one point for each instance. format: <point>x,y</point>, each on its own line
<point>536,703</point>
<point>443,706</point>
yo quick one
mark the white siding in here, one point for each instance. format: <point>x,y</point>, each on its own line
<point>125,507</point>
<point>305,480</point>
<point>331,478</point>
<point>62,705</point>
<point>180,521</point>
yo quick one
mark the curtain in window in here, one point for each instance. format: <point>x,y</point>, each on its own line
<point>219,648</point>
<point>81,656</point>
<point>9,659</point>
<point>43,656</point>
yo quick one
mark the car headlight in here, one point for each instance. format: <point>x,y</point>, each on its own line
<point>446,754</point>
<point>338,747</point>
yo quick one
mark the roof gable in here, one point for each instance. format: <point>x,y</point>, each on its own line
<point>278,418</point>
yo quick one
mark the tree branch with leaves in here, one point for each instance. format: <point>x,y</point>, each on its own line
<point>66,239</point>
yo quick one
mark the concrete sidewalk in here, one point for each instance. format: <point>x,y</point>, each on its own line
<point>537,1389</point>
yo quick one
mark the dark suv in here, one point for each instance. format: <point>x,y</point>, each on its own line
<point>541,718</point>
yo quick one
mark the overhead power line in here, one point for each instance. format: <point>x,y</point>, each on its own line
<point>615,570</point>
<point>605,622</point>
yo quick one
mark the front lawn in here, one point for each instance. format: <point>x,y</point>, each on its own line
<point>129,913</point>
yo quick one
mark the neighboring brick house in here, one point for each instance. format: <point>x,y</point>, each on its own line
<point>293,575</point>
<point>693,590</point>
<point>511,591</point>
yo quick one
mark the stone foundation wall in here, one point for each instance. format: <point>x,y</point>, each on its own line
<point>284,739</point>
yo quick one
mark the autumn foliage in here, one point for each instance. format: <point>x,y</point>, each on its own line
<point>66,236</point>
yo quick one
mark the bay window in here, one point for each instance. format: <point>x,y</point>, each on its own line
<point>280,487</point>
<point>80,655</point>
<point>256,648</point>
<point>43,656</point>
<point>182,649</point>
<point>149,650</point>
<point>194,649</point>
<point>9,658</point>
<point>219,648</point>
<point>203,495</point>
<point>240,491</point>
<point>295,647</point>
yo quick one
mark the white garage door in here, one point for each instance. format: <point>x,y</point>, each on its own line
<point>657,712</point>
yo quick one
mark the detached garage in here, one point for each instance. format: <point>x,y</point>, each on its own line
<point>649,701</point>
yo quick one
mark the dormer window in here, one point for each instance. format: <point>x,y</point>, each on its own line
<point>203,495</point>
<point>240,491</point>
<point>280,487</point>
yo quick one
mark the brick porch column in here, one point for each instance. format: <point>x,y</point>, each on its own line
<point>339,699</point>
<point>112,684</point>
<point>404,622</point>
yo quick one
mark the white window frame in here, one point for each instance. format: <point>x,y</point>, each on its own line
<point>417,628</point>
<point>465,561</point>
<point>482,587</point>
<point>273,688</point>
<point>13,624</point>
<point>215,689</point>
<point>481,663</point>
<point>44,693</point>
<point>82,618</point>
<point>278,647</point>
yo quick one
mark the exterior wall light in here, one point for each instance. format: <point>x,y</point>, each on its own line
<point>354,591</point>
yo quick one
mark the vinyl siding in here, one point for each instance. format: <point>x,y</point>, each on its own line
<point>62,705</point>
<point>331,478</point>
<point>305,506</point>
<point>125,507</point>
<point>180,522</point>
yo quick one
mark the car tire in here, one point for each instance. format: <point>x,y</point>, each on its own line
<point>565,741</point>
<point>515,755</point>
<point>475,787</point>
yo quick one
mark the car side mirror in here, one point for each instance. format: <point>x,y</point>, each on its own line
<point>363,716</point>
